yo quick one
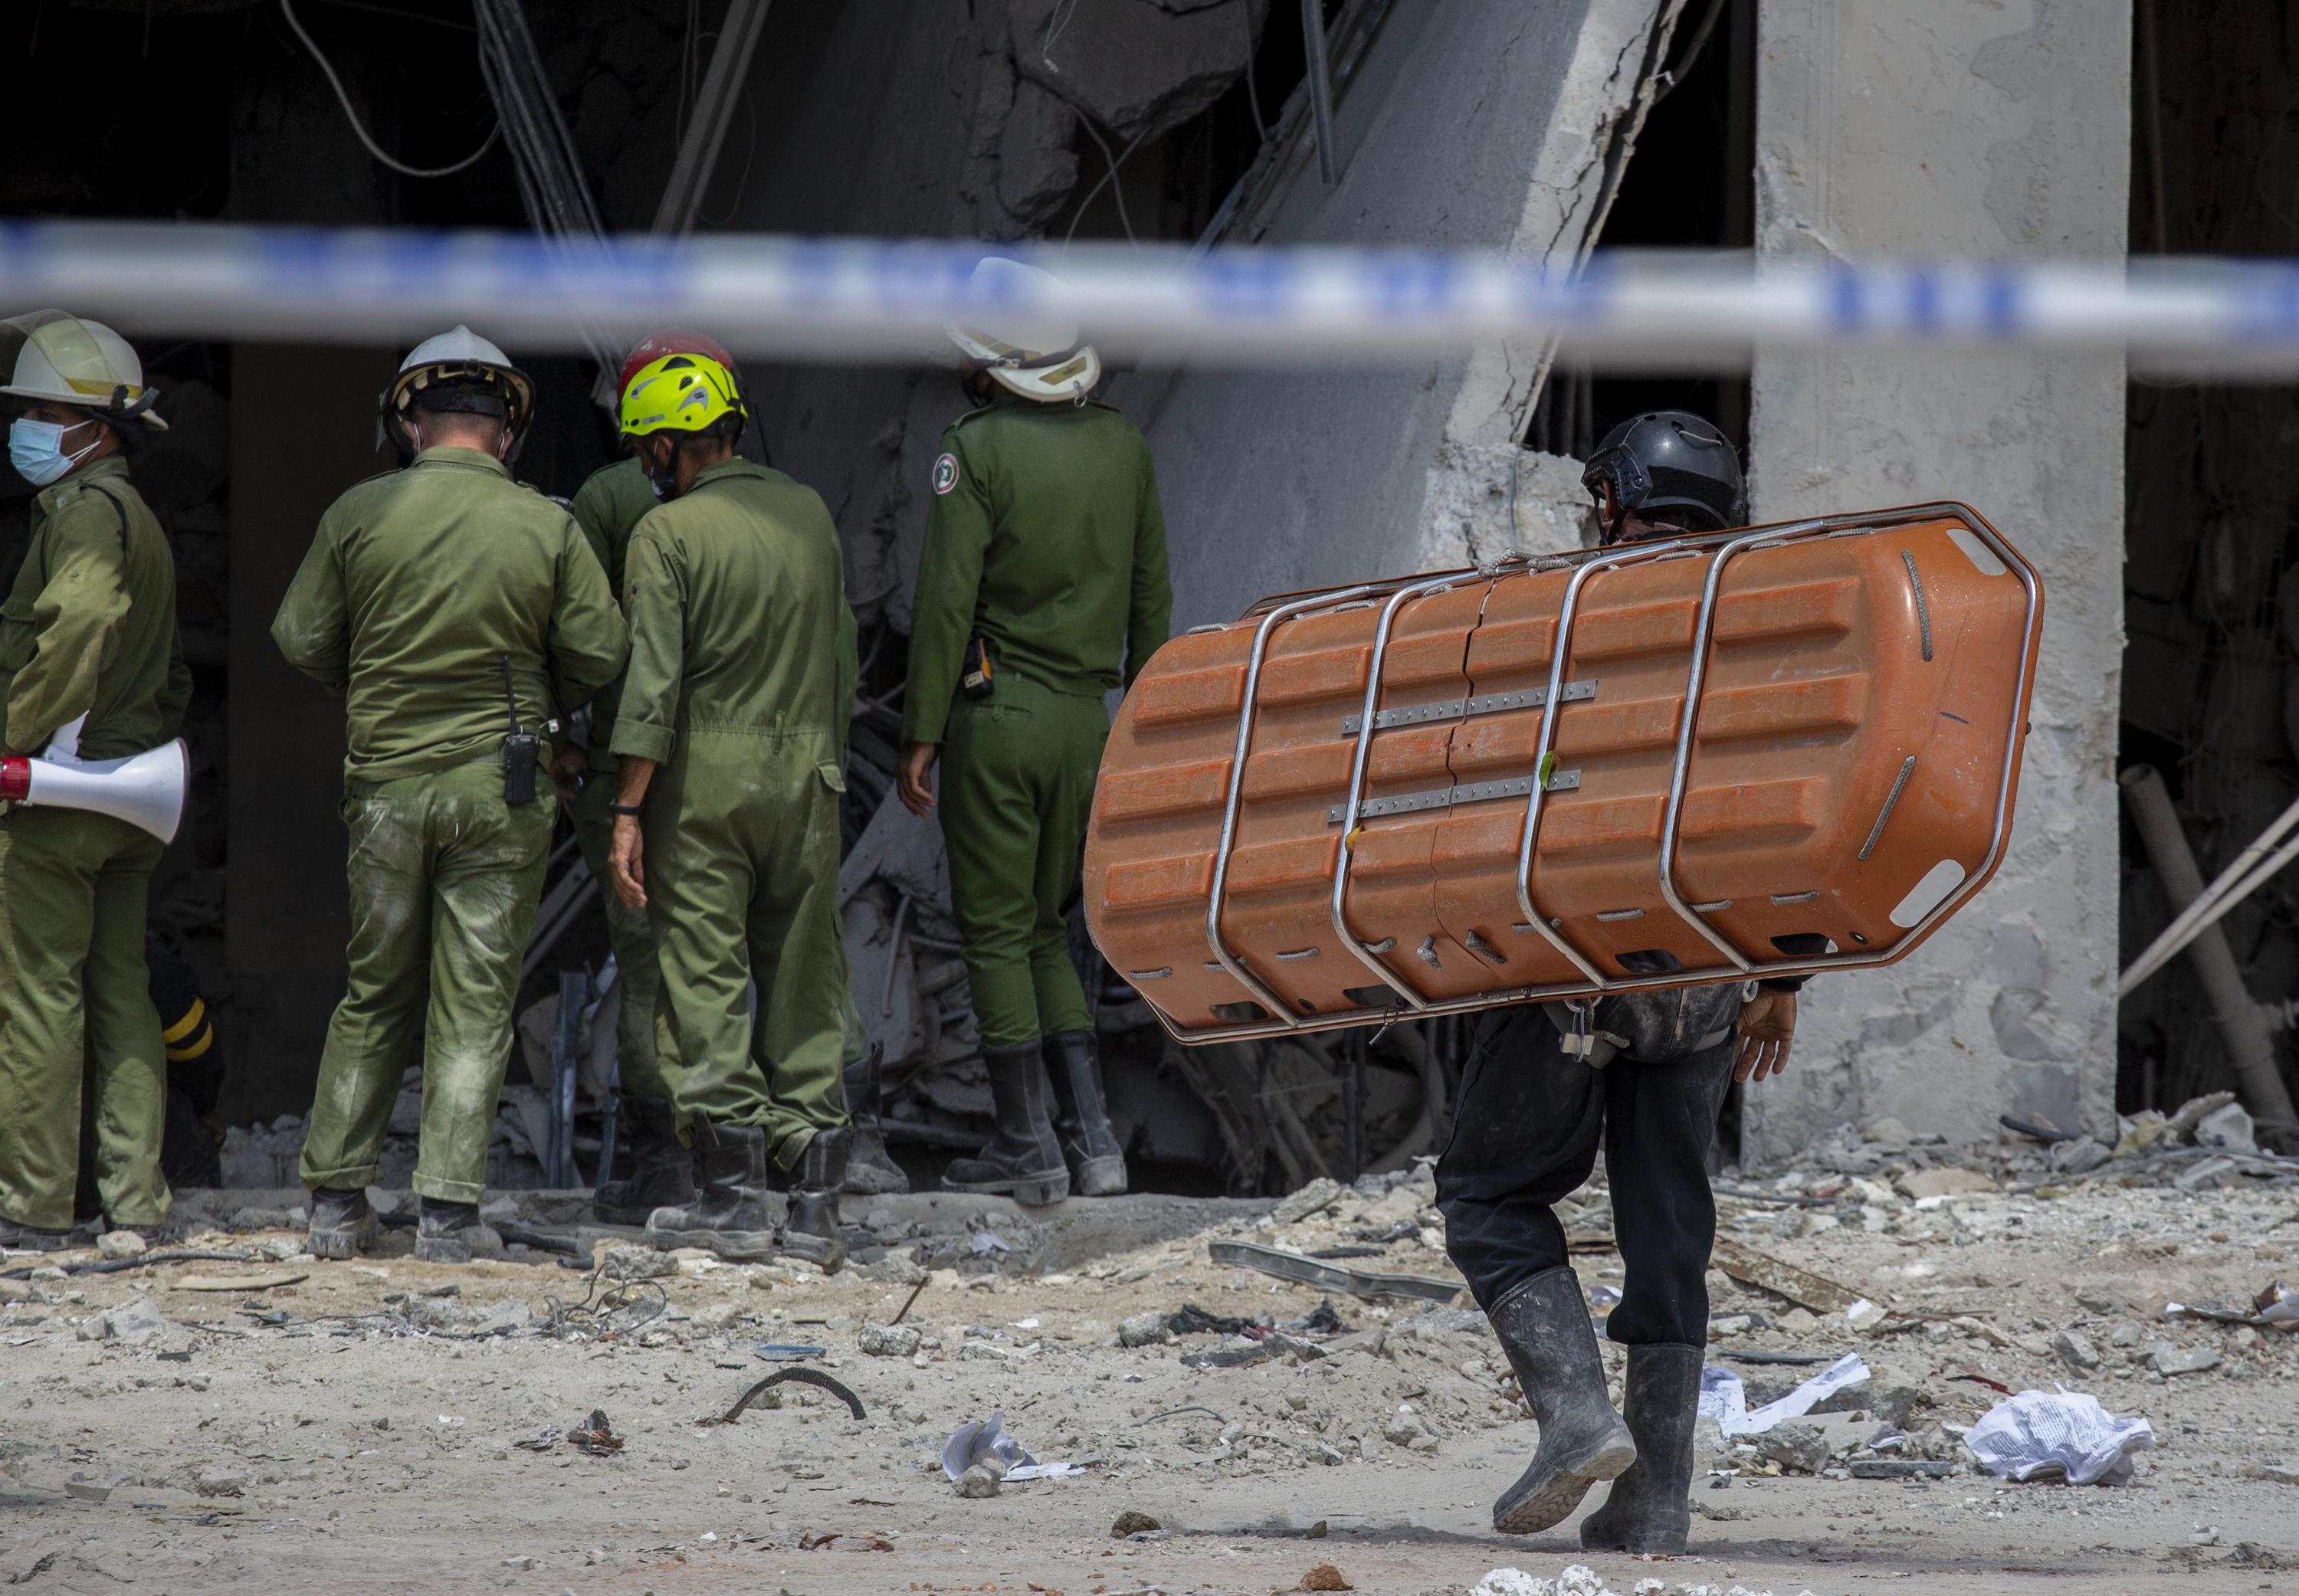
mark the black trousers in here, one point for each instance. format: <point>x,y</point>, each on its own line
<point>1526,1135</point>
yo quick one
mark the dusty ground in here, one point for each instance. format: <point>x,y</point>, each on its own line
<point>348,1432</point>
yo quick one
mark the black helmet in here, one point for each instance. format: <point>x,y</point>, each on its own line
<point>1669,460</point>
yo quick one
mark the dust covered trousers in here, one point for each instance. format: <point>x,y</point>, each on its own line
<point>420,584</point>
<point>1526,1133</point>
<point>1046,541</point>
<point>88,628</point>
<point>735,595</point>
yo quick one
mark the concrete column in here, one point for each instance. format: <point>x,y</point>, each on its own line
<point>1964,128</point>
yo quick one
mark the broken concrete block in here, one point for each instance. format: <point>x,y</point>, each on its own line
<point>1144,1329</point>
<point>1796,1448</point>
<point>888,1341</point>
<point>504,1318</point>
<point>220,1479</point>
<point>716,1318</point>
<point>1136,66</point>
<point>2075,1351</point>
<point>1919,1184</point>
<point>132,1322</point>
<point>121,1244</point>
<point>638,1264</point>
<point>1037,156</point>
<point>2229,1127</point>
<point>2167,1359</point>
<point>1319,1195</point>
<point>896,1269</point>
<point>978,1481</point>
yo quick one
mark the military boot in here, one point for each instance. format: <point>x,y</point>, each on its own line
<point>1024,1160</point>
<point>343,1225</point>
<point>871,1170</point>
<point>452,1233</point>
<point>732,1213</point>
<point>1097,1163</point>
<point>1543,1326</point>
<point>661,1173</point>
<point>1649,1509</point>
<point>812,1229</point>
<point>31,1238</point>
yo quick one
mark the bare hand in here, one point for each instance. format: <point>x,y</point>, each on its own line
<point>1767,1027</point>
<point>915,781</point>
<point>626,861</point>
<point>566,772</point>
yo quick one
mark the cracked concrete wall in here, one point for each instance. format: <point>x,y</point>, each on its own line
<point>1973,129</point>
<point>1282,480</point>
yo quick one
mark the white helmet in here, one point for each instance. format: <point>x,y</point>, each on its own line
<point>1035,354</point>
<point>471,374</point>
<point>68,360</point>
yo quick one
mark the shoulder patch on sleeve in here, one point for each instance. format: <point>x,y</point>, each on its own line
<point>945,473</point>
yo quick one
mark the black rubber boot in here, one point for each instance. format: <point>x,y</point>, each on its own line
<point>452,1233</point>
<point>1649,1509</point>
<point>31,1238</point>
<point>812,1231</point>
<point>343,1225</point>
<point>871,1170</point>
<point>661,1174</point>
<point>732,1213</point>
<point>1097,1163</point>
<point>1543,1326</point>
<point>1023,1161</point>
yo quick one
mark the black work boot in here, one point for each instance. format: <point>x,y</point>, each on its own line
<point>661,1174</point>
<point>343,1225</point>
<point>1543,1326</point>
<point>871,1170</point>
<point>731,1213</point>
<point>452,1233</point>
<point>1023,1161</point>
<point>1648,1510</point>
<point>812,1231</point>
<point>1097,1163</point>
<point>31,1238</point>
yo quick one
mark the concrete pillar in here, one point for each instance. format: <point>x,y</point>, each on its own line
<point>1964,128</point>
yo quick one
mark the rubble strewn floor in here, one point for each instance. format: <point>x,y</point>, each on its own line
<point>283,1424</point>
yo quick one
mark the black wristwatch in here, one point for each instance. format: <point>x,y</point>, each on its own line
<point>633,810</point>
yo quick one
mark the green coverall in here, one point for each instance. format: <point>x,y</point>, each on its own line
<point>420,584</point>
<point>608,508</point>
<point>734,593</point>
<point>90,629</point>
<point>1046,541</point>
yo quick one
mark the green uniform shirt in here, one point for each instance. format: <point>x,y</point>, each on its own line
<point>420,583</point>
<point>1046,538</point>
<point>90,627</point>
<point>736,595</point>
<point>608,507</point>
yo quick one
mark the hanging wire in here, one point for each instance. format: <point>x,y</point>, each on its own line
<point>1670,78</point>
<point>287,8</point>
<point>1108,178</point>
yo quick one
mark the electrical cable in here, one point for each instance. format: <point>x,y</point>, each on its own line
<point>287,8</point>
<point>1671,77</point>
<point>1108,178</point>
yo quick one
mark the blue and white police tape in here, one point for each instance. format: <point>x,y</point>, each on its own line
<point>888,299</point>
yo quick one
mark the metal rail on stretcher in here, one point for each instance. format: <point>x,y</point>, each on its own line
<point>1739,966</point>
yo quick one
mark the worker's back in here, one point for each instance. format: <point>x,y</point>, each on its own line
<point>420,584</point>
<point>751,558</point>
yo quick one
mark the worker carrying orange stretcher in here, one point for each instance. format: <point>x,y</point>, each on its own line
<point>1626,799</point>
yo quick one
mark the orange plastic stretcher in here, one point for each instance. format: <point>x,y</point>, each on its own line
<point>1326,813</point>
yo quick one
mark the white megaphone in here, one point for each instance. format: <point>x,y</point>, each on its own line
<point>146,790</point>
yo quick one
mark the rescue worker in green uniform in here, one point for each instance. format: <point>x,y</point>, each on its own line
<point>453,608</point>
<point>91,667</point>
<point>729,736</point>
<point>1042,585</point>
<point>608,507</point>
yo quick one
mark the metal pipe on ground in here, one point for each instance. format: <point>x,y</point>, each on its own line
<point>2250,1045</point>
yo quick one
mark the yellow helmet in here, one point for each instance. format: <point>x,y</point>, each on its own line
<point>680,394</point>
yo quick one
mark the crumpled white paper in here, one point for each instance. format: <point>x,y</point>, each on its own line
<point>1724,1400</point>
<point>2043,1432</point>
<point>987,1438</point>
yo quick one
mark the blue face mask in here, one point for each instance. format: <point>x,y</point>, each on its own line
<point>37,450</point>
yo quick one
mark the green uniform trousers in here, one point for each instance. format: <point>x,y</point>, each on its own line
<point>445,876</point>
<point>630,935</point>
<point>1016,788</point>
<point>741,881</point>
<point>76,1003</point>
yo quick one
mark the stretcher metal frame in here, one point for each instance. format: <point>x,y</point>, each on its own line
<point>1275,611</point>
